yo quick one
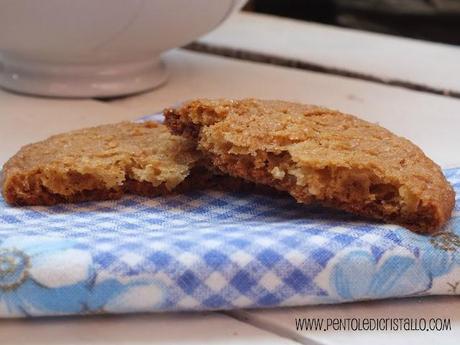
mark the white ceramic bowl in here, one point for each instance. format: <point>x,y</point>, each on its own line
<point>97,48</point>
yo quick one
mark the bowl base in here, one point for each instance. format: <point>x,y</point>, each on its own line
<point>102,80</point>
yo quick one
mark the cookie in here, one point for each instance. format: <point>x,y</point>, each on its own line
<point>100,163</point>
<point>320,156</point>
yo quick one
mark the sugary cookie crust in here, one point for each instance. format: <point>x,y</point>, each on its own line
<point>319,155</point>
<point>99,163</point>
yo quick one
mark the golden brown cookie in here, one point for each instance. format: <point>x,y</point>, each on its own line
<point>319,155</point>
<point>99,163</point>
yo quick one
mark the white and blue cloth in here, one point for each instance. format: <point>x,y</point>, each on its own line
<point>212,250</point>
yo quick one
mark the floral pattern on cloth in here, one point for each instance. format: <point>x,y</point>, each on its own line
<point>50,276</point>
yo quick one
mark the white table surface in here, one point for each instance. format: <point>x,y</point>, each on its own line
<point>391,59</point>
<point>432,121</point>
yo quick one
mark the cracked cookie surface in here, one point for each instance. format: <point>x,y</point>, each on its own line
<point>99,163</point>
<point>319,155</point>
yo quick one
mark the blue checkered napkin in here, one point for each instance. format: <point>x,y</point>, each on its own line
<point>211,250</point>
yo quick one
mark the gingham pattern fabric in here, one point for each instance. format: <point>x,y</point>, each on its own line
<point>207,250</point>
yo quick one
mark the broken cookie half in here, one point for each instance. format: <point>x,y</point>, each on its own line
<point>319,155</point>
<point>99,163</point>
